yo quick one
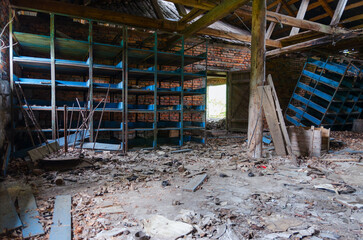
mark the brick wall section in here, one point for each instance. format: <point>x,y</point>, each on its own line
<point>285,72</point>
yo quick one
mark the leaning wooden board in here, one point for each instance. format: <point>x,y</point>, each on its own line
<point>61,228</point>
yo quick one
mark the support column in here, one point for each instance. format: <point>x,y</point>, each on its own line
<point>52,76</point>
<point>90,76</point>
<point>255,128</point>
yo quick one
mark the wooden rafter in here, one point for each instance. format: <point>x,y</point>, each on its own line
<point>300,15</point>
<point>326,7</point>
<point>338,12</point>
<point>195,12</point>
<point>352,19</point>
<point>287,7</point>
<point>201,4</point>
<point>291,21</point>
<point>181,9</point>
<point>236,36</point>
<point>272,24</point>
<point>314,43</point>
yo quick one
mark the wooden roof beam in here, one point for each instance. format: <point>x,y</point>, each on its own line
<point>326,7</point>
<point>78,11</point>
<point>195,12</point>
<point>300,15</point>
<point>287,7</point>
<point>157,9</point>
<point>338,12</point>
<point>181,9</point>
<point>313,43</point>
<point>291,21</point>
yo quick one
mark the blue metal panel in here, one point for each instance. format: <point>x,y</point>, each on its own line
<point>334,68</point>
<point>29,214</point>
<point>62,223</point>
<point>305,115</point>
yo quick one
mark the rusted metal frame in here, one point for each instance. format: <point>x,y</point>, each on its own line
<point>103,110</point>
<point>90,76</point>
<point>52,75</point>
<point>70,120</point>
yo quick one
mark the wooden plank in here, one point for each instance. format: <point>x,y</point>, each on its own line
<point>195,183</point>
<point>338,12</point>
<point>101,146</point>
<point>29,214</point>
<point>272,120</point>
<point>91,13</point>
<point>300,15</point>
<point>157,9</point>
<point>40,152</point>
<point>195,12</point>
<point>326,7</point>
<point>281,120</point>
<point>61,228</point>
<point>9,218</point>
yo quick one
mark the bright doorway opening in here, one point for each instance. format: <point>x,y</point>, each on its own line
<point>216,102</point>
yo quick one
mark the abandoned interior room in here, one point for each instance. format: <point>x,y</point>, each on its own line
<point>181,119</point>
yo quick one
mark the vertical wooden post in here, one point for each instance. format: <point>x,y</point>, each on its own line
<point>155,142</point>
<point>90,76</point>
<point>11,70</point>
<point>258,50</point>
<point>52,76</point>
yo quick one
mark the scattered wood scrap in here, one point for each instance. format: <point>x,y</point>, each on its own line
<point>193,185</point>
<point>42,151</point>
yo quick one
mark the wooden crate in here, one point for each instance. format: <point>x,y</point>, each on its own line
<point>310,142</point>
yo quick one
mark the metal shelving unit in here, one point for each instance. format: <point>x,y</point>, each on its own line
<point>328,93</point>
<point>138,76</point>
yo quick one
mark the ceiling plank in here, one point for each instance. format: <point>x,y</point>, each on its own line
<point>313,43</point>
<point>291,21</point>
<point>300,15</point>
<point>201,4</point>
<point>352,19</point>
<point>354,5</point>
<point>73,10</point>
<point>338,12</point>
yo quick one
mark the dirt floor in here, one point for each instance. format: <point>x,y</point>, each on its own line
<point>126,197</point>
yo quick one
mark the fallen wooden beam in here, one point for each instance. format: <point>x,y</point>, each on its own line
<point>42,151</point>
